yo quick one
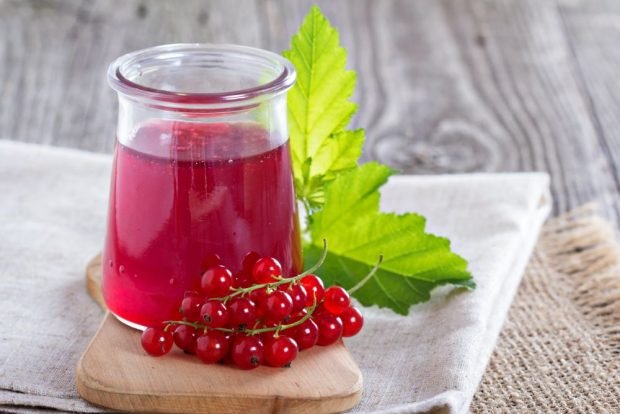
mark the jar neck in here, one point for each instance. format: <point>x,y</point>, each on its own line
<point>201,79</point>
<point>159,132</point>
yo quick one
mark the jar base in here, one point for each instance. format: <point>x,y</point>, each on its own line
<point>128,323</point>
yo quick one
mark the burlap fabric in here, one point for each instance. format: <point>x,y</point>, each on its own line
<point>559,350</point>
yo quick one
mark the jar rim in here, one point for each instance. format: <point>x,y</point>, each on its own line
<point>281,82</point>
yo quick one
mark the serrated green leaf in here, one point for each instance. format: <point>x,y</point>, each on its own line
<point>338,153</point>
<point>415,262</point>
<point>342,199</point>
<point>386,289</point>
<point>318,105</point>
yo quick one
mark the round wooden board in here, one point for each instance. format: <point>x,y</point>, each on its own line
<point>115,372</point>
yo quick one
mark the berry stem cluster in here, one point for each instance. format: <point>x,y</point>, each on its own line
<point>253,331</point>
<point>257,316</point>
<point>280,280</point>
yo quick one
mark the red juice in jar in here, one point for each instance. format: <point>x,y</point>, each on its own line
<point>185,191</point>
<point>202,167</point>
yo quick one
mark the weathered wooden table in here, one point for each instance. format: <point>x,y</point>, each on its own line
<point>444,86</point>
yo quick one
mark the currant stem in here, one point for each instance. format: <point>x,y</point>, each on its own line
<point>281,281</point>
<point>366,278</point>
<point>278,328</point>
<point>284,327</point>
<point>197,326</point>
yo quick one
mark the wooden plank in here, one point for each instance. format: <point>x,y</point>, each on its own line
<point>55,55</point>
<point>444,86</point>
<point>593,33</point>
<point>115,372</point>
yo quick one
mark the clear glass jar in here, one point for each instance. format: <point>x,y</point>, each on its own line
<point>202,171</point>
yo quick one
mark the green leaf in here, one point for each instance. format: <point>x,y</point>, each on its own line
<point>342,199</point>
<point>319,107</point>
<point>415,262</point>
<point>337,153</point>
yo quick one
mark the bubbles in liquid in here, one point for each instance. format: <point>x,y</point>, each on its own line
<point>111,263</point>
<point>121,269</point>
<point>172,281</point>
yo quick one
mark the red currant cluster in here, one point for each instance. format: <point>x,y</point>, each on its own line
<point>257,316</point>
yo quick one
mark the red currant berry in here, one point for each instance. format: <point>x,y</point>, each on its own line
<point>266,270</point>
<point>280,351</point>
<point>352,321</point>
<point>314,288</point>
<point>330,328</point>
<point>228,357</point>
<point>156,341</point>
<point>277,306</point>
<point>185,338</point>
<point>306,335</point>
<point>190,306</point>
<point>214,314</point>
<point>212,347</point>
<point>242,280</point>
<point>297,316</point>
<point>249,260</point>
<point>241,312</point>
<point>319,310</point>
<point>211,260</point>
<point>336,300</point>
<point>267,336</point>
<point>216,282</point>
<point>298,294</point>
<point>259,297</point>
<point>247,351</point>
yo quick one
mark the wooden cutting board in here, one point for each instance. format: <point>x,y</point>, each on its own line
<point>115,372</point>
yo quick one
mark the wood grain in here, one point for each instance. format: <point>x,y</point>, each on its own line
<point>444,86</point>
<point>93,281</point>
<point>115,372</point>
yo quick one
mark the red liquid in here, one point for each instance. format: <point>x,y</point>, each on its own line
<point>184,191</point>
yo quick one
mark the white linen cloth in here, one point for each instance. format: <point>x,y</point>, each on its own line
<point>52,220</point>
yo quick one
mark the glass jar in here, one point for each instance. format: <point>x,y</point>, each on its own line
<point>202,173</point>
